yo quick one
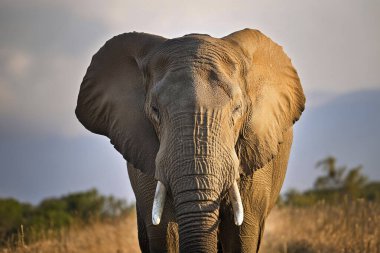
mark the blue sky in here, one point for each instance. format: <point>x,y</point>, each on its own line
<point>46,46</point>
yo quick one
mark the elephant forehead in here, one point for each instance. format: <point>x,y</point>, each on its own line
<point>197,71</point>
<point>194,88</point>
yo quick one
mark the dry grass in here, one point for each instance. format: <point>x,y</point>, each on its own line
<point>349,227</point>
<point>109,237</point>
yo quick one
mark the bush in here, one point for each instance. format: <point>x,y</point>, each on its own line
<point>57,213</point>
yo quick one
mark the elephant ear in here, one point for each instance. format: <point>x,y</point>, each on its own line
<point>275,95</point>
<point>111,98</point>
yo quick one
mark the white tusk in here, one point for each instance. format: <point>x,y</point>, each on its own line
<point>237,205</point>
<point>158,203</point>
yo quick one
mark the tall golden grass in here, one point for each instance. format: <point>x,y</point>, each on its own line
<point>348,227</point>
<point>119,236</point>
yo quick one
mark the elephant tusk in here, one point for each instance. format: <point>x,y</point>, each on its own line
<point>237,205</point>
<point>158,203</point>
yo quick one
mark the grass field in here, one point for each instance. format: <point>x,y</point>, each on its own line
<point>99,237</point>
<point>348,227</point>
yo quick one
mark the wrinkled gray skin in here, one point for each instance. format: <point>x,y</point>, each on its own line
<point>196,113</point>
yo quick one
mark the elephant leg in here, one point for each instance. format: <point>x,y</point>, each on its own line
<point>259,193</point>
<point>279,166</point>
<point>219,246</point>
<point>142,233</point>
<point>162,237</point>
<point>152,238</point>
<point>255,194</point>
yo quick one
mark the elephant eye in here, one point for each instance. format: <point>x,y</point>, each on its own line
<point>236,114</point>
<point>155,114</point>
<point>237,110</point>
<point>155,109</point>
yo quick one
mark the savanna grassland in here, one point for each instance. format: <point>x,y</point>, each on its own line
<point>348,227</point>
<point>339,214</point>
<point>351,226</point>
<point>99,237</point>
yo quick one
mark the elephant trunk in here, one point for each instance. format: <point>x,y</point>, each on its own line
<point>197,210</point>
<point>198,230</point>
<point>198,165</point>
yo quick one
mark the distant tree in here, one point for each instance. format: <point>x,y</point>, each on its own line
<point>12,214</point>
<point>354,182</point>
<point>56,213</point>
<point>371,191</point>
<point>85,206</point>
<point>345,181</point>
<point>336,182</point>
<point>114,207</point>
<point>52,213</point>
<point>334,174</point>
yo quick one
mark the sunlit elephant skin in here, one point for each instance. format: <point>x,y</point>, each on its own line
<point>206,127</point>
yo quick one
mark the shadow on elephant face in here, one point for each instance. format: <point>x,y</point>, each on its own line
<point>195,103</point>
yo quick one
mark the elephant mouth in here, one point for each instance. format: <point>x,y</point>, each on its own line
<point>160,196</point>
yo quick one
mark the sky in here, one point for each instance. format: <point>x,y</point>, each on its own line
<point>46,46</point>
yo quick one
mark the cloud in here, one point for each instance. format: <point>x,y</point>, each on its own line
<point>46,46</point>
<point>17,62</point>
<point>44,52</point>
<point>44,99</point>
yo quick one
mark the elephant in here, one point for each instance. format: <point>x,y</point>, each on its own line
<point>206,127</point>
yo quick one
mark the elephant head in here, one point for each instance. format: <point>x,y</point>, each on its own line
<point>195,113</point>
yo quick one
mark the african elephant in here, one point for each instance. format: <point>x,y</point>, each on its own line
<point>206,126</point>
